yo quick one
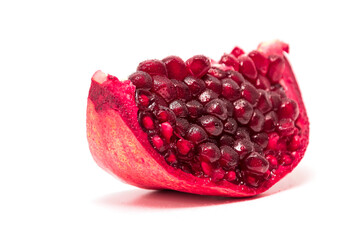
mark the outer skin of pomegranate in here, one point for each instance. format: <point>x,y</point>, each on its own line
<point>119,145</point>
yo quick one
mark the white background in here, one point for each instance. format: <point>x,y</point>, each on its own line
<point>50,187</point>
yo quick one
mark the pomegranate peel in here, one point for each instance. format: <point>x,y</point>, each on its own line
<point>201,160</point>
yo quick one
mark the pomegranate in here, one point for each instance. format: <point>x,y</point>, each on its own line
<point>228,128</point>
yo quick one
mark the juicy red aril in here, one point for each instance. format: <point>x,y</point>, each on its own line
<point>237,52</point>
<point>196,85</point>
<point>196,134</point>
<point>230,89</point>
<point>260,61</point>
<point>141,80</point>
<point>247,67</point>
<point>195,108</point>
<point>217,108</point>
<point>243,111</point>
<point>176,68</point>
<point>276,68</point>
<point>212,83</point>
<point>198,65</point>
<point>211,124</point>
<point>227,122</point>
<point>230,60</point>
<point>208,152</point>
<point>164,88</point>
<point>179,108</point>
<point>153,67</point>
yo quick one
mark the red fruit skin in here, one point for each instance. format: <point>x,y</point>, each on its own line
<point>119,145</point>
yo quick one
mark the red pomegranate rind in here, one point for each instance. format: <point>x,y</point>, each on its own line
<point>120,146</point>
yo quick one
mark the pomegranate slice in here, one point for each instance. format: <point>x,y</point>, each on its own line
<point>228,128</point>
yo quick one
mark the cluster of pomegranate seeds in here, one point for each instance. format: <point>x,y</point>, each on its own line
<point>228,121</point>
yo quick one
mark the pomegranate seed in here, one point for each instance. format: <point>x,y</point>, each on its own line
<point>286,127</point>
<point>256,163</point>
<point>260,61</point>
<point>181,126</point>
<point>227,140</point>
<point>182,90</point>
<point>247,67</point>
<point>196,134</point>
<point>243,147</point>
<point>230,89</point>
<point>236,76</point>
<point>242,133</point>
<point>249,93</point>
<point>273,162</point>
<point>288,109</point>
<point>262,83</point>
<point>179,108</point>
<point>286,159</point>
<point>212,83</point>
<point>164,114</point>
<point>229,107</point>
<point>164,87</point>
<point>207,95</point>
<point>195,85</point>
<point>141,80</point>
<point>229,158</point>
<point>184,146</point>
<point>195,108</point>
<point>198,65</point>
<point>273,141</point>
<point>230,126</point>
<point>152,67</point>
<point>276,68</point>
<point>294,143</point>
<point>158,143</point>
<point>146,120</point>
<point>262,139</point>
<point>211,124</point>
<point>257,121</point>
<point>264,103</point>
<point>175,67</point>
<point>166,131</point>
<point>270,121</point>
<point>208,152</point>
<point>230,176</point>
<point>237,52</point>
<point>243,111</point>
<point>217,72</point>
<point>143,98</point>
<point>218,174</point>
<point>275,100</point>
<point>231,61</point>
<point>217,108</point>
<point>170,157</point>
<point>207,168</point>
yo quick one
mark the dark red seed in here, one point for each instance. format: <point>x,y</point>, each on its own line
<point>243,147</point>
<point>230,89</point>
<point>196,134</point>
<point>229,107</point>
<point>260,61</point>
<point>184,146</point>
<point>249,93</point>
<point>276,68</point>
<point>286,127</point>
<point>164,87</point>
<point>146,120</point>
<point>227,140</point>
<point>262,139</point>
<point>207,168</point>
<point>230,126</point>
<point>179,108</point>
<point>170,157</point>
<point>218,174</point>
<point>181,127</point>
<point>262,83</point>
<point>196,85</point>
<point>141,80</point>
<point>217,108</point>
<point>256,163</point>
<point>242,133</point>
<point>237,52</point>
<point>230,60</point>
<point>198,65</point>
<point>286,159</point>
<point>288,109</point>
<point>164,114</point>
<point>236,76</point>
<point>207,95</point>
<point>217,72</point>
<point>195,108</point>
<point>247,67</point>
<point>212,83</point>
<point>243,111</point>
<point>257,121</point>
<point>175,67</point>
<point>208,152</point>
<point>153,67</point>
<point>270,122</point>
<point>212,125</point>
<point>166,131</point>
<point>158,143</point>
<point>295,143</point>
<point>229,158</point>
<point>182,90</point>
<point>264,103</point>
<point>143,98</point>
<point>251,179</point>
<point>275,100</point>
